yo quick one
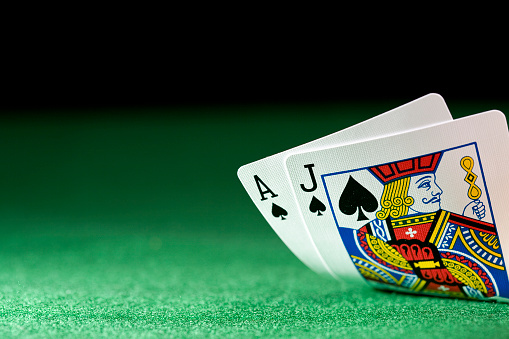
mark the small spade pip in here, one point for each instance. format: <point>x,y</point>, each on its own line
<point>278,211</point>
<point>357,197</point>
<point>316,206</point>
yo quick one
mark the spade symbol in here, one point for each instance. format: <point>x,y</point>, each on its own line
<point>356,197</point>
<point>278,211</point>
<point>316,206</point>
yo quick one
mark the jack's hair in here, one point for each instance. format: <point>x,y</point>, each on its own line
<point>395,200</point>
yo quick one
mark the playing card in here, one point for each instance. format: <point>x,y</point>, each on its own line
<point>424,211</point>
<point>268,186</point>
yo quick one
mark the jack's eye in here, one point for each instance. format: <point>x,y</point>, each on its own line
<point>425,184</point>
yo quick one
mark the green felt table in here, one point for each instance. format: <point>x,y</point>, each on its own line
<point>132,222</point>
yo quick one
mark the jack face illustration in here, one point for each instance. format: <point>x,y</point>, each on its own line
<point>425,193</point>
<point>415,192</point>
<point>414,243</point>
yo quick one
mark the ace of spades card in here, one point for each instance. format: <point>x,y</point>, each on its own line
<point>267,184</point>
<point>420,212</point>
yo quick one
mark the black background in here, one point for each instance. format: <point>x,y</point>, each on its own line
<point>112,84</point>
<point>123,69</point>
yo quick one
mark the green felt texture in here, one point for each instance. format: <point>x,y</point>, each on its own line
<point>132,223</point>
